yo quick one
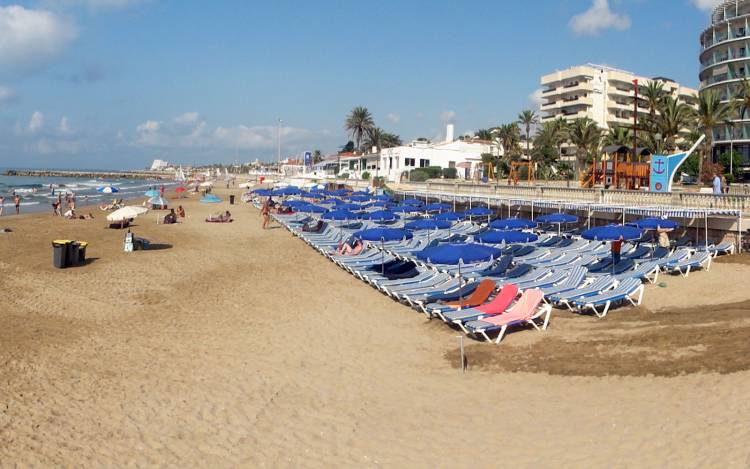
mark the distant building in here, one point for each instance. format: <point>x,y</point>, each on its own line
<point>725,62</point>
<point>601,93</point>
<point>395,163</point>
<point>159,165</point>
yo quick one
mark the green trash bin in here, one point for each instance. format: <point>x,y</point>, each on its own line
<point>72,255</point>
<point>60,253</point>
<point>82,252</point>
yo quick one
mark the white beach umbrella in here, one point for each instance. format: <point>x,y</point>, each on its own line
<point>126,213</point>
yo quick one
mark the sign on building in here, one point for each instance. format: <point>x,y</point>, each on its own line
<point>664,168</point>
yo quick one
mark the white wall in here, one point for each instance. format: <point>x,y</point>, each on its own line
<point>395,161</point>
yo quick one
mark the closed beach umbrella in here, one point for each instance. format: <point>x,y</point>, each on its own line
<point>458,253</point>
<point>655,224</point>
<point>210,199</point>
<point>449,216</point>
<point>380,215</point>
<point>505,237</point>
<point>612,232</point>
<point>512,224</point>
<point>107,189</point>
<point>126,213</point>
<point>152,193</point>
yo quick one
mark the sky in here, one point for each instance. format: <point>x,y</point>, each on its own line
<point>114,84</point>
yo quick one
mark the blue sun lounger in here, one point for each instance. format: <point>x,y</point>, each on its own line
<point>629,290</point>
<point>701,260</point>
<point>599,285</point>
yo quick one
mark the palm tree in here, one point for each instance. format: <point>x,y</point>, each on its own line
<point>509,137</point>
<point>618,136</point>
<point>586,136</point>
<point>483,134</point>
<point>527,118</point>
<point>377,137</point>
<point>653,93</point>
<point>359,124</point>
<point>674,117</point>
<point>711,113</point>
<point>389,140</point>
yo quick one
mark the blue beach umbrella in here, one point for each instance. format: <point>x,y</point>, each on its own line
<point>340,192</point>
<point>380,215</point>
<point>360,198</point>
<point>289,190</point>
<point>449,216</point>
<point>557,218</point>
<point>612,232</point>
<point>109,190</point>
<point>294,203</point>
<point>152,193</point>
<point>383,197</point>
<point>412,202</point>
<point>437,207</point>
<point>405,209</point>
<point>383,234</point>
<point>427,224</point>
<point>655,224</point>
<point>339,215</point>
<point>263,192</point>
<point>361,193</point>
<point>458,253</point>
<point>506,237</point>
<point>382,203</point>
<point>210,199</point>
<point>310,208</point>
<point>512,224</point>
<point>345,206</point>
<point>478,212</point>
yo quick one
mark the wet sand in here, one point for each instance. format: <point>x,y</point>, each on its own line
<point>234,346</point>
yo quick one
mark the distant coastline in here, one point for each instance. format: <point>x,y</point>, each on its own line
<point>89,174</point>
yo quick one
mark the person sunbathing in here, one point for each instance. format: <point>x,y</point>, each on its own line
<point>170,218</point>
<point>352,249</point>
<point>180,212</point>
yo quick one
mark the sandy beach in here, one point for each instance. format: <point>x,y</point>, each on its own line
<point>231,346</point>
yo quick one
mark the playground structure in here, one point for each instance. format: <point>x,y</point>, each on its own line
<point>615,169</point>
<point>513,173</point>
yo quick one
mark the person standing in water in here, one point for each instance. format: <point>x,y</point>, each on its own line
<point>2,205</point>
<point>17,200</point>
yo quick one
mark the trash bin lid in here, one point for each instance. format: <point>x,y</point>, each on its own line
<point>83,244</point>
<point>62,241</point>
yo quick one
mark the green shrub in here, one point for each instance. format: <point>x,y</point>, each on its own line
<point>344,175</point>
<point>450,173</point>
<point>366,175</point>
<point>418,175</point>
<point>433,172</point>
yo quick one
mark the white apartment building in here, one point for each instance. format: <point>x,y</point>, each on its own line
<point>395,163</point>
<point>601,93</point>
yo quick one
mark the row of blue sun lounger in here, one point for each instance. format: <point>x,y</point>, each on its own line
<point>561,274</point>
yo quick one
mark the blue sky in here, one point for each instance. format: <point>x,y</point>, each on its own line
<point>117,83</point>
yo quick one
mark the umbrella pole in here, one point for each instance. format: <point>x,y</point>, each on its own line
<point>382,257</point>
<point>460,286</point>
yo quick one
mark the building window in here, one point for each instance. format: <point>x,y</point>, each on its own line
<point>409,162</point>
<point>424,163</point>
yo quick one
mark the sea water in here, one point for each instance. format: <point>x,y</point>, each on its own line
<point>38,193</point>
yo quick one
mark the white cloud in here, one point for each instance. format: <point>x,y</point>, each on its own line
<point>447,117</point>
<point>706,5</point>
<point>36,122</point>
<point>535,98</point>
<point>30,39</point>
<point>64,127</point>
<point>190,131</point>
<point>597,18</point>
<point>393,118</point>
<point>6,94</point>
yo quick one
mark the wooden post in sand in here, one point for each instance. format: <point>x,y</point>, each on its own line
<point>463,357</point>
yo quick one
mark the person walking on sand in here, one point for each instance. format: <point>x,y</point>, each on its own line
<point>266,212</point>
<point>17,201</point>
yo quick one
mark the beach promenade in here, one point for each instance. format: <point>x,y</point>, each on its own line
<point>233,346</point>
